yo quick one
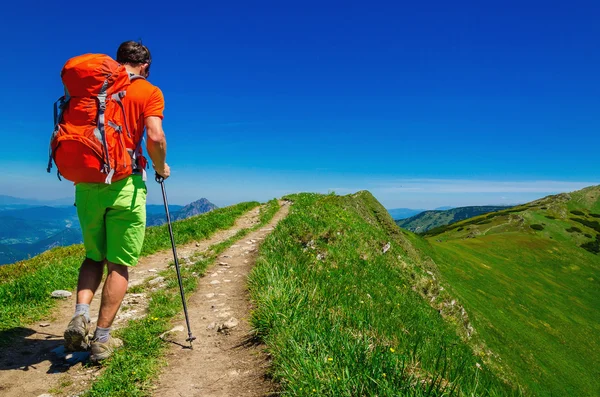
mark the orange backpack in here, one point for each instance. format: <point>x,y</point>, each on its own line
<point>90,137</point>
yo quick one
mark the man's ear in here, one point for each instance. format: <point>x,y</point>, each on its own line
<point>145,70</point>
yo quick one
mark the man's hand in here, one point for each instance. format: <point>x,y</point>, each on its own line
<point>164,171</point>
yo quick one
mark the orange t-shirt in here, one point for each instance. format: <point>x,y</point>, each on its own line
<point>141,100</point>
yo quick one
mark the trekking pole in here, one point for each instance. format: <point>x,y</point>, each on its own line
<point>161,180</point>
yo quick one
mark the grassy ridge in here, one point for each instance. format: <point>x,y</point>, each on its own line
<point>532,288</point>
<point>131,371</point>
<point>25,287</point>
<point>343,318</point>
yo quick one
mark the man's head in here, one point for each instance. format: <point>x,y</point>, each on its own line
<point>136,57</point>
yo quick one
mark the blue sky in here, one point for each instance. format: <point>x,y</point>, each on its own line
<point>425,105</point>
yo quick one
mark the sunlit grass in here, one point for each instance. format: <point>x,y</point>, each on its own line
<point>533,295</point>
<point>342,318</point>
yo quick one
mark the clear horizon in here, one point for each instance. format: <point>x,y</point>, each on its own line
<point>412,194</point>
<point>424,105</point>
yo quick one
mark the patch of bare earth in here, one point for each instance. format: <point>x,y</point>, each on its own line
<point>35,362</point>
<point>224,360</point>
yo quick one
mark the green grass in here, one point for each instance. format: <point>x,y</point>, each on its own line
<point>533,295</point>
<point>268,211</point>
<point>132,369</point>
<point>195,228</point>
<point>25,287</point>
<point>341,318</point>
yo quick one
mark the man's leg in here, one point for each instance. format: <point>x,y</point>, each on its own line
<point>91,218</point>
<point>77,334</point>
<point>113,293</point>
<point>90,277</point>
<point>125,221</point>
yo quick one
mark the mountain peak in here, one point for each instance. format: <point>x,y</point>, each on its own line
<point>202,201</point>
<point>197,207</point>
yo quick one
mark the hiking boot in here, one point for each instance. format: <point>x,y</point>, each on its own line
<point>102,351</point>
<point>77,334</point>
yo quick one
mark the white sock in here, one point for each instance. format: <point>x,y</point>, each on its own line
<point>82,308</point>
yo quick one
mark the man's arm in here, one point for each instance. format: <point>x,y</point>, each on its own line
<point>157,145</point>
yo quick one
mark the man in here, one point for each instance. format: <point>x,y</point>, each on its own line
<point>113,217</point>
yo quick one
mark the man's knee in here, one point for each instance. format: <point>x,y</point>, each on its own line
<point>92,264</point>
<point>122,270</point>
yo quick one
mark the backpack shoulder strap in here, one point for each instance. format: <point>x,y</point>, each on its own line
<point>133,77</point>
<point>137,152</point>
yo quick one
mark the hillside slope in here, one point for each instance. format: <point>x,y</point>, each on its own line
<point>348,307</point>
<point>428,220</point>
<point>530,278</point>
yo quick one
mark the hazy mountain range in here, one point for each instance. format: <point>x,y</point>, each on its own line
<point>29,227</point>
<point>428,220</point>
<point>177,212</point>
<point>403,213</point>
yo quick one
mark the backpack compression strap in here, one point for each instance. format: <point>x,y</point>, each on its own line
<point>59,108</point>
<point>100,132</point>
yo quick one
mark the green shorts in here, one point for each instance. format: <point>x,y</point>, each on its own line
<point>113,219</point>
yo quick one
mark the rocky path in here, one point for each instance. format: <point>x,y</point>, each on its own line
<point>35,363</point>
<point>224,360</point>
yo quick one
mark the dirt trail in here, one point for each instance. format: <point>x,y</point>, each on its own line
<point>35,363</point>
<point>224,361</point>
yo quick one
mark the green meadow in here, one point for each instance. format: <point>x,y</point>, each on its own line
<point>530,280</point>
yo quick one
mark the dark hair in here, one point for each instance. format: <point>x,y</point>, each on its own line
<point>133,53</point>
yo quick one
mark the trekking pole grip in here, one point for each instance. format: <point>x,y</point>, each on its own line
<point>158,178</point>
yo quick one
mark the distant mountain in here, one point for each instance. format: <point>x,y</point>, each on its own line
<point>28,228</point>
<point>445,208</point>
<point>10,207</point>
<point>65,214</point>
<point>9,254</point>
<point>403,213</point>
<point>152,209</point>
<point>428,220</point>
<point>16,230</point>
<point>10,200</point>
<point>65,237</point>
<point>196,208</point>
